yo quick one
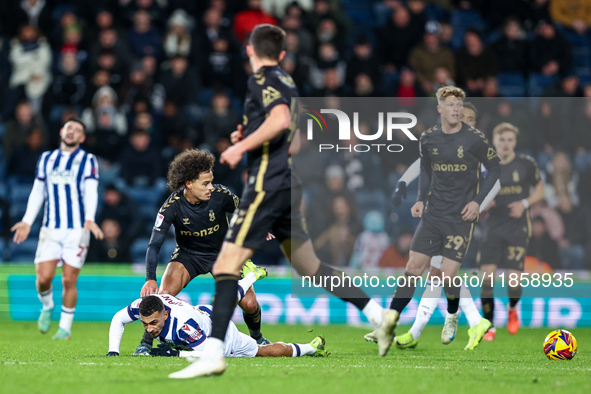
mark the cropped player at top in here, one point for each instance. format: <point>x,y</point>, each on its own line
<point>186,329</point>
<point>507,230</point>
<point>267,202</point>
<point>197,208</point>
<point>66,179</point>
<point>451,157</point>
<point>430,298</point>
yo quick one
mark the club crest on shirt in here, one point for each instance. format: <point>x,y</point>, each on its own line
<point>186,221</point>
<point>460,152</point>
<point>515,176</point>
<point>435,151</point>
<point>211,215</point>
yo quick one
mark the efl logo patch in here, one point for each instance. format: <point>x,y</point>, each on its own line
<point>159,220</point>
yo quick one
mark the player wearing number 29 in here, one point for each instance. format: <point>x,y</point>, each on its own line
<point>66,179</point>
<point>508,228</point>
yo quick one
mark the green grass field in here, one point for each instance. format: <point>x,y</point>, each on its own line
<point>34,363</point>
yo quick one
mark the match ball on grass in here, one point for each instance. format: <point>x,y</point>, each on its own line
<point>560,345</point>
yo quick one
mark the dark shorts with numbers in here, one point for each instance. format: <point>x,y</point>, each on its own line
<point>504,245</point>
<point>275,211</point>
<point>449,239</point>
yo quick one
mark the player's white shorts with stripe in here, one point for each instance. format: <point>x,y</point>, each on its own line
<point>70,246</point>
<point>239,344</point>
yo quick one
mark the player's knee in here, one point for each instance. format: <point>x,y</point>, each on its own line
<point>69,281</point>
<point>249,305</point>
<point>44,280</point>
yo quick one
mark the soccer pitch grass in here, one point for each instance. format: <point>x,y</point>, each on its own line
<point>34,363</point>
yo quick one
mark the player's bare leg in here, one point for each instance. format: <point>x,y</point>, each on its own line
<point>69,299</point>
<point>304,260</point>
<point>514,296</point>
<point>488,301</point>
<point>45,272</point>
<point>449,271</point>
<point>279,349</point>
<point>174,279</point>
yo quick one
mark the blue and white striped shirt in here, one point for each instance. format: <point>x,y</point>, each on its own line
<point>64,176</point>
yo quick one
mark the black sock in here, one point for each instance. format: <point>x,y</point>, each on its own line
<point>488,302</point>
<point>346,291</point>
<point>224,303</point>
<point>147,339</point>
<point>514,296</point>
<point>453,298</point>
<point>253,321</point>
<point>404,292</point>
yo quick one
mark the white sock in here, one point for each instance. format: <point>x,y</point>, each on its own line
<point>67,318</point>
<point>214,349</point>
<point>46,298</point>
<point>245,283</point>
<point>468,306</point>
<point>302,350</point>
<point>426,308</point>
<point>373,312</point>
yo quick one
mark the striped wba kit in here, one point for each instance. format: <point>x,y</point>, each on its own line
<point>64,175</point>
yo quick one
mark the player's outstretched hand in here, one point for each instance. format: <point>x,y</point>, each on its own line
<point>417,209</point>
<point>150,287</point>
<point>470,211</point>
<point>232,156</point>
<point>516,209</point>
<point>399,193</point>
<point>164,350</point>
<point>94,228</point>
<point>112,354</point>
<point>236,135</point>
<point>270,236</point>
<point>22,231</point>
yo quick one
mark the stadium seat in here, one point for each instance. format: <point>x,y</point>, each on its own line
<point>166,251</point>
<point>511,84</point>
<point>138,250</point>
<point>581,52</point>
<point>538,83</point>
<point>462,20</point>
<point>24,252</point>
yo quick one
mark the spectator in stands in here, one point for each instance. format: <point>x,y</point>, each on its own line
<point>430,56</point>
<point>140,163</point>
<point>550,133</point>
<point>220,120</point>
<point>112,249</point>
<point>323,9</point>
<point>363,61</point>
<point>475,62</point>
<point>550,53</point>
<point>35,13</point>
<point>511,49</point>
<point>407,89</point>
<point>144,39</point>
<point>577,233</point>
<point>574,14</point>
<point>178,40</point>
<point>30,58</point>
<point>397,38</point>
<point>212,30</point>
<point>180,82</point>
<point>542,246</point>
<point>279,8</point>
<point>122,209</point>
<point>23,163</point>
<point>110,40</point>
<point>327,32</point>
<point>104,98</point>
<point>246,20</point>
<point>371,243</point>
<point>177,127</point>
<point>396,256</point>
<point>69,85</point>
<point>103,20</point>
<point>333,84</point>
<point>20,127</point>
<point>505,112</point>
<point>339,239</point>
<point>561,178</point>
<point>220,68</point>
<point>305,39</point>
<point>328,59</point>
<point>580,140</point>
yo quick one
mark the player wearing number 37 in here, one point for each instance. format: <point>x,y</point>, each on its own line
<point>66,180</point>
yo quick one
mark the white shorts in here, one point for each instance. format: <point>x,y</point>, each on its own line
<point>68,245</point>
<point>436,261</point>
<point>239,344</point>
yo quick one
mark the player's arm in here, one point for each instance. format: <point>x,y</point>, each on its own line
<point>159,231</point>
<point>121,318</point>
<point>424,183</point>
<point>490,196</point>
<point>488,156</point>
<point>91,198</point>
<point>409,176</point>
<point>34,204</point>
<point>278,121</point>
<point>518,207</point>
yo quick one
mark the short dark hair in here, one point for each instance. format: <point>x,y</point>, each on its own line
<point>77,120</point>
<point>187,166</point>
<point>150,305</point>
<point>471,106</point>
<point>267,41</point>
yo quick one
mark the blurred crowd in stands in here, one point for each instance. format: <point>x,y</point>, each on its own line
<point>151,78</point>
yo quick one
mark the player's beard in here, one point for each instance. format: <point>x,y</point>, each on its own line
<point>69,144</point>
